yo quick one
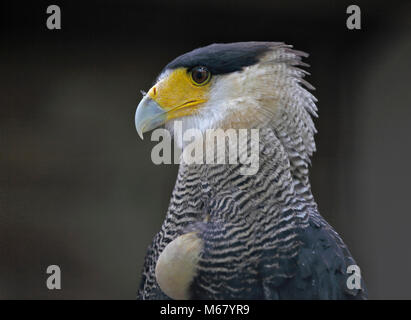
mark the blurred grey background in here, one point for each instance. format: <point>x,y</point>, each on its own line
<point>77,186</point>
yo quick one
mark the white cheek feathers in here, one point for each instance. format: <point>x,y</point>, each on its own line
<point>177,264</point>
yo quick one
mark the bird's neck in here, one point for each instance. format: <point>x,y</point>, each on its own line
<point>280,186</point>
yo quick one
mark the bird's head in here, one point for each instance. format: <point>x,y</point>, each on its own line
<point>235,85</point>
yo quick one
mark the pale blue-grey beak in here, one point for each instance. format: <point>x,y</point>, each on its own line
<point>149,115</point>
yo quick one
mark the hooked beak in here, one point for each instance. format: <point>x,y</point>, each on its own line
<point>149,115</point>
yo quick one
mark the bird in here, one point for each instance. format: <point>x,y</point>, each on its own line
<point>230,235</point>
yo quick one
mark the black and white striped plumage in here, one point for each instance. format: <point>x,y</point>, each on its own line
<point>255,236</point>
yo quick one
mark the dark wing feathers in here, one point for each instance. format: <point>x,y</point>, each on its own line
<point>321,267</point>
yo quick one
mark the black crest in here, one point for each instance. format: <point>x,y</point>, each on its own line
<point>222,58</point>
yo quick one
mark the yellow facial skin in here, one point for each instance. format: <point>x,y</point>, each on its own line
<point>178,94</point>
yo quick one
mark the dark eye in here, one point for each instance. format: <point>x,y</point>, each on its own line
<point>200,75</point>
